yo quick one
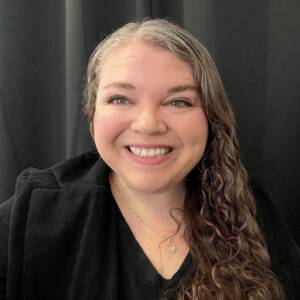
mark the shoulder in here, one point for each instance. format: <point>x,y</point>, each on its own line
<point>51,213</point>
<point>268,214</point>
<point>43,194</point>
<point>37,187</point>
<point>59,175</point>
<point>283,250</point>
<point>70,183</point>
<point>65,174</point>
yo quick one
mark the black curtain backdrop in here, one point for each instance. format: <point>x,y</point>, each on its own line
<point>45,46</point>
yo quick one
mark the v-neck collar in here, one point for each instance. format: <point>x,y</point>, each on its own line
<point>141,260</point>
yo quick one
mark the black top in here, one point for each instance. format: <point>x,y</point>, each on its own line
<point>138,279</point>
<point>62,236</point>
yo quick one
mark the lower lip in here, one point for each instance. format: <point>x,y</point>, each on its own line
<point>150,161</point>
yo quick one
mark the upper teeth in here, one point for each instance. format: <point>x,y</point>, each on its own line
<point>149,152</point>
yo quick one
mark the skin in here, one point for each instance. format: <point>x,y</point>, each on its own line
<point>138,103</point>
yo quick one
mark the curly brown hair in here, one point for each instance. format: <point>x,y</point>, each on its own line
<point>230,257</point>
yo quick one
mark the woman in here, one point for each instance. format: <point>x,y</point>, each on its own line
<point>163,209</point>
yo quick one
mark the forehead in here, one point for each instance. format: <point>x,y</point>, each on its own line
<point>139,60</point>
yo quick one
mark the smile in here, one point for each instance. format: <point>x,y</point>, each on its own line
<point>149,152</point>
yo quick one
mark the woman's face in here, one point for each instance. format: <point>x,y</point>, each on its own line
<point>149,126</point>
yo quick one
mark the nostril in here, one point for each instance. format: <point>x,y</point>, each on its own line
<point>149,126</point>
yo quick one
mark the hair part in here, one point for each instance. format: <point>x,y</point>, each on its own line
<point>231,261</point>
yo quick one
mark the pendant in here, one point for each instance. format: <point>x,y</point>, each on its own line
<point>171,247</point>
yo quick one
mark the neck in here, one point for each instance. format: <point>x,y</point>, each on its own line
<point>154,208</point>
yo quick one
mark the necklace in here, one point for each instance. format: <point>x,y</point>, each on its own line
<point>171,246</point>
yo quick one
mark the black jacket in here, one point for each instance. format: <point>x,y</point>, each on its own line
<point>56,240</point>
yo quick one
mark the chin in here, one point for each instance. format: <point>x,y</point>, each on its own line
<point>150,186</point>
<point>147,187</point>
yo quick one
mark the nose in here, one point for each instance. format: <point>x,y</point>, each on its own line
<point>149,122</point>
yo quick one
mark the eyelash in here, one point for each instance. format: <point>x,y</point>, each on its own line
<point>119,100</point>
<point>112,100</point>
<point>183,103</point>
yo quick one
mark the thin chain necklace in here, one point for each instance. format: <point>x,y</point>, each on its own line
<point>171,246</point>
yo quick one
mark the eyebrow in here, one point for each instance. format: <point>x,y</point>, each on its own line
<point>174,89</point>
<point>182,88</point>
<point>120,84</point>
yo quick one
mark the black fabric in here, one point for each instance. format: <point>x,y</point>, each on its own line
<point>63,237</point>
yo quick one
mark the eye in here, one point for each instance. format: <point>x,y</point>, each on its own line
<point>178,103</point>
<point>117,100</point>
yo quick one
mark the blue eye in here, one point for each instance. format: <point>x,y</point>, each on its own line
<point>117,100</point>
<point>179,103</point>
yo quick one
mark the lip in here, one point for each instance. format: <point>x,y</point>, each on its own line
<point>149,161</point>
<point>148,146</point>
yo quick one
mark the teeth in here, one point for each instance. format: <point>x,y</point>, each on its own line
<point>151,152</point>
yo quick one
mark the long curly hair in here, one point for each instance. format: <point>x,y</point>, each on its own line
<point>230,257</point>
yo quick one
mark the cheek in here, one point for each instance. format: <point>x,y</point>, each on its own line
<point>195,130</point>
<point>106,127</point>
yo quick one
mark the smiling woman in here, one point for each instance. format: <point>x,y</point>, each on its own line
<point>164,208</point>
